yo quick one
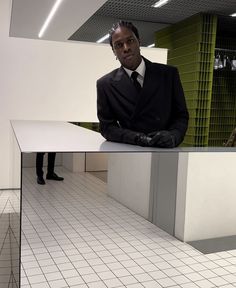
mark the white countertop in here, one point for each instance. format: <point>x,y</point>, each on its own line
<point>58,136</point>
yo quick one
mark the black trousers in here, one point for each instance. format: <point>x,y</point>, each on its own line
<point>39,163</point>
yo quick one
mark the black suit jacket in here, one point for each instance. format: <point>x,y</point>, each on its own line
<point>123,112</point>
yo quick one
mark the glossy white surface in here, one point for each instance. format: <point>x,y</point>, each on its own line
<point>60,136</point>
<point>205,200</point>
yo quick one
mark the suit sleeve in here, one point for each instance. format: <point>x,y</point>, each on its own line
<point>180,115</point>
<point>109,125</point>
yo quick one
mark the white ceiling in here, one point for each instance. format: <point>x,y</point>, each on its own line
<point>88,20</point>
<point>28,17</point>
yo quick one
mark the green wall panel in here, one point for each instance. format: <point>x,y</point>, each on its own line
<point>191,45</point>
<point>223,104</point>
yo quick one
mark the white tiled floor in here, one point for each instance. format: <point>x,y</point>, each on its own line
<point>74,235</point>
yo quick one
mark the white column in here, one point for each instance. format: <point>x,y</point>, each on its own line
<point>74,162</point>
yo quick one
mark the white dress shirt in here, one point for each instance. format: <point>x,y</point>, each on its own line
<point>141,72</point>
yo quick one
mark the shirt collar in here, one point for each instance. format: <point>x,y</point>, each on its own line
<point>140,69</point>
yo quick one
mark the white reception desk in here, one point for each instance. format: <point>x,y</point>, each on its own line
<point>188,192</point>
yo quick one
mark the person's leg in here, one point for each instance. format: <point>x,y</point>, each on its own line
<point>51,162</point>
<point>39,168</point>
<point>51,175</point>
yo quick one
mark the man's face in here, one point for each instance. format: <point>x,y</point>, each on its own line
<point>126,47</point>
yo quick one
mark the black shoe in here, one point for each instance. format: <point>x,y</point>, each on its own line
<point>40,181</point>
<point>54,176</point>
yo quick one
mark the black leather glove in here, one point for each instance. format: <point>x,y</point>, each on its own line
<point>162,139</point>
<point>142,140</point>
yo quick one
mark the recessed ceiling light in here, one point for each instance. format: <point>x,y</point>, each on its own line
<point>151,45</point>
<point>160,3</point>
<point>103,38</point>
<point>233,15</point>
<point>49,18</point>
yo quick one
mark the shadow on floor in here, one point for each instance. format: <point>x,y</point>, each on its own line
<point>102,175</point>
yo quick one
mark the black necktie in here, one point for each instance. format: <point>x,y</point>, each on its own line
<point>137,85</point>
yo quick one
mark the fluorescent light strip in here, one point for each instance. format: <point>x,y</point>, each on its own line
<point>151,45</point>
<point>160,3</point>
<point>103,38</point>
<point>49,18</point>
<point>233,15</point>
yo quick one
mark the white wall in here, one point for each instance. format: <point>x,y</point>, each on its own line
<point>29,159</point>
<point>129,180</point>
<point>206,196</point>
<point>96,161</point>
<point>43,80</point>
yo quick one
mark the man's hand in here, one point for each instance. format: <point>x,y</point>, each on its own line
<point>142,140</point>
<point>162,139</point>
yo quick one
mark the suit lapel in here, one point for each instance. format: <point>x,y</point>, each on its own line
<point>123,84</point>
<point>151,84</point>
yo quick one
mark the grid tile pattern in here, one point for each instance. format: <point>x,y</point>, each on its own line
<point>74,235</point>
<point>145,17</point>
<point>9,238</point>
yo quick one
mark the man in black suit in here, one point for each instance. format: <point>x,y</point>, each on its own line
<point>145,108</point>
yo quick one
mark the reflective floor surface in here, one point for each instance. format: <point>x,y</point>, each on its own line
<point>74,235</point>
